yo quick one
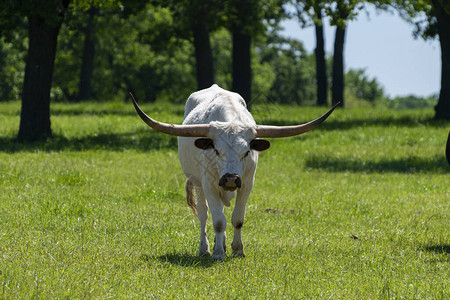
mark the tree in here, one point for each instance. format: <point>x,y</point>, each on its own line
<point>435,24</point>
<point>44,21</point>
<point>308,10</point>
<point>193,21</point>
<point>321,67</point>
<point>340,13</point>
<point>442,12</point>
<point>337,85</point>
<point>201,13</point>
<point>241,35</point>
<point>142,53</point>
<point>135,50</point>
<point>247,20</point>
<point>203,54</point>
<point>87,64</point>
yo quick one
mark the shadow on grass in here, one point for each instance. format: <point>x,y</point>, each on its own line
<point>184,260</point>
<point>119,111</point>
<point>441,249</point>
<point>142,140</point>
<point>102,109</point>
<point>414,164</point>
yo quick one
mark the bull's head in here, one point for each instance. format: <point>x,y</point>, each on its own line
<point>231,149</point>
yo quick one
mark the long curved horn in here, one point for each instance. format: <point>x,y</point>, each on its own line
<point>200,130</point>
<point>268,131</point>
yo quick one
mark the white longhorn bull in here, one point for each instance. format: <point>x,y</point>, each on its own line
<point>218,147</point>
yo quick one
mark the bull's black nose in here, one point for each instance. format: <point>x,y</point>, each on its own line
<point>230,182</point>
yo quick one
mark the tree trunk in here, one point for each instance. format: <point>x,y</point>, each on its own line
<point>203,54</point>
<point>337,86</point>
<point>321,69</point>
<point>442,109</point>
<point>87,64</point>
<point>242,72</point>
<point>447,149</point>
<point>35,113</point>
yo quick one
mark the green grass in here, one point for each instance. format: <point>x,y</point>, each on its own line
<point>358,208</point>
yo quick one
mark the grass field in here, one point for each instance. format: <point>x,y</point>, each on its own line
<point>357,209</point>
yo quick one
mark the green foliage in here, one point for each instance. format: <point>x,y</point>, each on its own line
<point>141,51</point>
<point>359,85</point>
<point>12,12</point>
<point>305,11</point>
<point>188,12</point>
<point>293,69</point>
<point>422,14</point>
<point>131,55</point>
<point>84,5</point>
<point>356,209</point>
<point>221,47</point>
<point>68,57</point>
<point>254,16</point>
<point>341,11</point>
<point>12,66</point>
<point>412,101</point>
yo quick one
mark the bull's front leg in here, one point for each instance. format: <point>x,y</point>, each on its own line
<point>237,219</point>
<point>219,223</point>
<point>202,210</point>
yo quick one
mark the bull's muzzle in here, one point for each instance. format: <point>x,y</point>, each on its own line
<point>230,182</point>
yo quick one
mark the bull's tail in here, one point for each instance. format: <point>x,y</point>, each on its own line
<point>190,197</point>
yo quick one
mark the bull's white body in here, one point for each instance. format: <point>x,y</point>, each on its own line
<point>232,129</point>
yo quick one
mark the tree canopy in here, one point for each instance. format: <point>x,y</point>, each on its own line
<point>164,49</point>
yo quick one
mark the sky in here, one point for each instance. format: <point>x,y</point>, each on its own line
<point>383,45</point>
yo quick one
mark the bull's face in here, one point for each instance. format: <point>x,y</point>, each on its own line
<point>231,150</point>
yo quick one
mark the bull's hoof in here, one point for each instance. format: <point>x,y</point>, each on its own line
<point>238,253</point>
<point>238,249</point>
<point>224,243</point>
<point>218,257</point>
<point>203,249</point>
<point>204,253</point>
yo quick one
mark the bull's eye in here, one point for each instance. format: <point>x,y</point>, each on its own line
<point>246,154</point>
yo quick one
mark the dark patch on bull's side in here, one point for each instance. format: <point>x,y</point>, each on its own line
<point>259,145</point>
<point>204,143</point>
<point>219,226</point>
<point>239,225</point>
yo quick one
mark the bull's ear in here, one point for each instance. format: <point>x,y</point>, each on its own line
<point>204,143</point>
<point>259,145</point>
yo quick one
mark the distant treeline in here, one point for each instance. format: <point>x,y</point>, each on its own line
<point>103,53</point>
